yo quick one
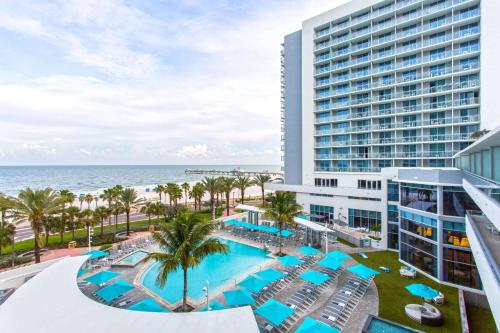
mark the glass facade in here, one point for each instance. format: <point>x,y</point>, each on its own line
<point>421,197</point>
<point>419,225</point>
<point>321,213</point>
<point>418,258</point>
<point>456,201</point>
<point>392,191</point>
<point>393,236</point>
<point>454,234</point>
<point>364,218</point>
<point>459,267</point>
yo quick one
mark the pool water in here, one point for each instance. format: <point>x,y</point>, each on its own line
<point>133,258</point>
<point>219,269</point>
<point>381,326</point>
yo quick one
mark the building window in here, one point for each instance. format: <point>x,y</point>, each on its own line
<point>393,213</point>
<point>364,219</point>
<point>321,214</point>
<point>419,243</point>
<point>456,201</point>
<point>454,234</point>
<point>392,191</point>
<point>421,197</point>
<point>420,225</point>
<point>369,184</point>
<point>418,258</point>
<point>325,182</point>
<point>459,268</point>
<point>393,236</point>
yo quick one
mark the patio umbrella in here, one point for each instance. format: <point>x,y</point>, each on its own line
<point>338,255</point>
<point>309,250</point>
<point>214,306</point>
<point>290,261</point>
<point>363,271</point>
<point>231,222</point>
<point>314,277</point>
<point>422,290</point>
<point>330,263</point>
<point>270,275</point>
<point>274,311</point>
<point>147,305</point>
<point>310,325</point>
<point>114,290</point>
<point>238,297</point>
<point>95,254</point>
<point>253,283</point>
<point>81,272</point>
<point>286,233</point>
<point>102,277</point>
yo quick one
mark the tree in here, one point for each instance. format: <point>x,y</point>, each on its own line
<point>109,196</point>
<point>261,180</point>
<point>197,193</point>
<point>73,216</point>
<point>87,218</point>
<point>129,200</point>
<point>6,204</point>
<point>242,183</point>
<point>210,185</point>
<point>185,242</point>
<point>88,199</point>
<point>116,210</point>
<point>148,209</point>
<point>101,213</point>
<point>227,187</point>
<point>160,189</point>
<point>33,205</point>
<point>282,210</point>
<point>67,197</point>
<point>81,199</point>
<point>186,187</point>
<point>7,232</point>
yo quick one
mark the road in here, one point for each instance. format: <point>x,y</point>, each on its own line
<point>23,230</point>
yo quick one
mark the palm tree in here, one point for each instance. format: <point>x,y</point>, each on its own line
<point>242,183</point>
<point>185,187</point>
<point>88,199</point>
<point>282,210</point>
<point>87,218</point>
<point>96,199</point>
<point>185,242</point>
<point>33,205</point>
<point>160,189</point>
<point>197,193</point>
<point>81,199</point>
<point>149,210</point>
<point>7,231</point>
<point>227,187</point>
<point>210,185</point>
<point>67,197</point>
<point>101,213</point>
<point>129,200</point>
<point>116,210</point>
<point>261,180</point>
<point>73,216</point>
<point>6,204</point>
<point>108,195</point>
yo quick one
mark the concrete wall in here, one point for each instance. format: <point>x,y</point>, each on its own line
<point>293,108</point>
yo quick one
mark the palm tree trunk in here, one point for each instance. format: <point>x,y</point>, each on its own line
<point>102,226</point>
<point>37,242</point>
<point>61,235</point>
<point>13,252</point>
<point>262,189</point>
<point>46,238</point>
<point>280,236</point>
<point>212,206</point>
<point>128,222</point>
<point>227,203</point>
<point>184,295</point>
<point>72,231</point>
<point>242,196</point>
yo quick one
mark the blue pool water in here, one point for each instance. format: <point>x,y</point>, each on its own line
<point>219,269</point>
<point>380,326</point>
<point>134,257</point>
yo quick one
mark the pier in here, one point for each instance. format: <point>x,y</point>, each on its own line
<point>234,172</point>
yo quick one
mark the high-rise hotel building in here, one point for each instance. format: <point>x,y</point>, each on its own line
<point>378,97</point>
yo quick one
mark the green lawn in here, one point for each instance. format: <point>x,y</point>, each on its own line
<point>480,320</point>
<point>393,296</point>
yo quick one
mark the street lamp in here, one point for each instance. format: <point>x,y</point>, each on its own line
<point>205,290</point>
<point>234,203</point>
<point>91,233</point>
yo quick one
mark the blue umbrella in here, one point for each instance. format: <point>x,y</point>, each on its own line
<point>114,290</point>
<point>102,277</point>
<point>147,305</point>
<point>270,275</point>
<point>330,263</point>
<point>314,277</point>
<point>286,233</point>
<point>231,222</point>
<point>254,284</point>
<point>338,255</point>
<point>274,311</point>
<point>81,272</point>
<point>422,290</point>
<point>238,297</point>
<point>310,325</point>
<point>308,250</point>
<point>214,306</point>
<point>363,271</point>
<point>95,254</point>
<point>290,261</point>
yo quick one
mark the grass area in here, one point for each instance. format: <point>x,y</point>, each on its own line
<point>480,320</point>
<point>393,296</point>
<point>343,241</point>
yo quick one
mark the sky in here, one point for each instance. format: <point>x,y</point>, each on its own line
<point>145,81</point>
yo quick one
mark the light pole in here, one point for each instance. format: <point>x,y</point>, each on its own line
<point>205,289</point>
<point>326,236</point>
<point>234,203</point>
<point>91,233</point>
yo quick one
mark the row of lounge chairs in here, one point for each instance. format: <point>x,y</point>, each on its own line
<point>340,307</point>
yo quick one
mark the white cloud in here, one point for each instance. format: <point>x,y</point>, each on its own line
<point>193,151</point>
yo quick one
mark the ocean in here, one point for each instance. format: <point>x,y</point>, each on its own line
<point>90,178</point>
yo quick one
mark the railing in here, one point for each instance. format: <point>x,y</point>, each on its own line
<point>418,154</point>
<point>346,169</point>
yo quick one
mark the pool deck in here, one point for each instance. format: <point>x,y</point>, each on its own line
<point>368,304</point>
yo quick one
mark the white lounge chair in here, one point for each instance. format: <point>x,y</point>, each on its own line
<point>407,273</point>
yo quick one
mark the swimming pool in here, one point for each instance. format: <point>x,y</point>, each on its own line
<point>375,324</point>
<point>219,269</point>
<point>132,259</point>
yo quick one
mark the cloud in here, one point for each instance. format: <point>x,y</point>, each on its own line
<point>193,151</point>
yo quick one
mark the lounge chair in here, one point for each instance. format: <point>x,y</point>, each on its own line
<point>384,269</point>
<point>407,272</point>
<point>424,314</point>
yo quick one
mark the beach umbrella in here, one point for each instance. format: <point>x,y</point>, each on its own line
<point>290,261</point>
<point>330,263</point>
<point>95,254</point>
<point>114,290</point>
<point>286,233</point>
<point>147,305</point>
<point>102,277</point>
<point>309,250</point>
<point>253,283</point>
<point>214,306</point>
<point>270,275</point>
<point>314,277</point>
<point>238,297</point>
<point>338,255</point>
<point>363,271</point>
<point>310,325</point>
<point>422,290</point>
<point>274,311</point>
<point>231,222</point>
